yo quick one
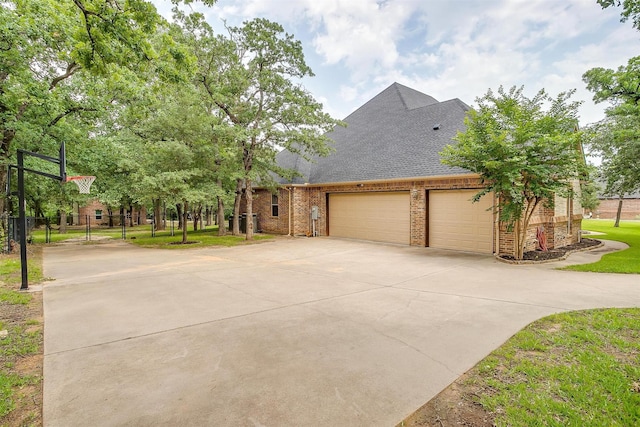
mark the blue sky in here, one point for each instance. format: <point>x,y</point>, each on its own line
<point>445,48</point>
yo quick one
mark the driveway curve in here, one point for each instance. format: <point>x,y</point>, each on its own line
<point>290,332</point>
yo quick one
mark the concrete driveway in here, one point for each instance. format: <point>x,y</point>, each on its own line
<point>292,332</point>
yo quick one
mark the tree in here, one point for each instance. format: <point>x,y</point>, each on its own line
<point>616,139</point>
<point>589,189</point>
<point>621,86</point>
<point>523,153</point>
<point>630,9</point>
<point>251,77</point>
<point>50,49</point>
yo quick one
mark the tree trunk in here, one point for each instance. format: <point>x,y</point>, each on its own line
<point>197,215</point>
<point>110,213</point>
<point>208,215</point>
<point>222,229</point>
<point>236,208</point>
<point>63,222</point>
<point>249,198</point>
<point>184,222</point>
<point>618,213</point>
<point>158,224</point>
<point>130,215</point>
<point>179,213</point>
<point>519,241</point>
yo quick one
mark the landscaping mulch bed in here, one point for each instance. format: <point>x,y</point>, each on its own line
<point>556,253</point>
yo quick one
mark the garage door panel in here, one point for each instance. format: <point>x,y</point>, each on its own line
<point>455,222</point>
<point>382,217</point>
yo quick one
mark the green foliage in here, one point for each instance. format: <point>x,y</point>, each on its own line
<point>616,86</point>
<point>250,78</point>
<point>616,139</point>
<point>630,9</point>
<point>626,261</point>
<point>576,368</point>
<point>589,189</point>
<point>68,66</point>
<point>522,152</point>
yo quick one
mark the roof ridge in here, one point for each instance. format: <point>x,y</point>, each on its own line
<point>396,86</point>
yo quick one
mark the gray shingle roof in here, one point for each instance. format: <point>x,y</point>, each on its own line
<point>391,136</point>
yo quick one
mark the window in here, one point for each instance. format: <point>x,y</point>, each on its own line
<point>98,214</point>
<point>274,205</point>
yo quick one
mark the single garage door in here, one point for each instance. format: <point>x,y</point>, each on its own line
<point>457,223</point>
<point>382,217</point>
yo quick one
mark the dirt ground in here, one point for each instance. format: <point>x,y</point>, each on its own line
<point>453,406</point>
<point>29,319</point>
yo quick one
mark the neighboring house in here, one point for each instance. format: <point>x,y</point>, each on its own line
<point>608,207</point>
<point>97,214</point>
<point>385,182</point>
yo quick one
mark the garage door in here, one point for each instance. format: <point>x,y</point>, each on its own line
<point>383,217</point>
<point>457,223</point>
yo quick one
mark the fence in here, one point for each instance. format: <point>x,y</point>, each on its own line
<point>10,226</point>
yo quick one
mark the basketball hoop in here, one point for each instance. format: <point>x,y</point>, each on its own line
<point>83,182</point>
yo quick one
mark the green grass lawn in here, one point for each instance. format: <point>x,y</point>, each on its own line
<point>571,369</point>
<point>20,385</point>
<point>141,236</point>
<point>626,261</point>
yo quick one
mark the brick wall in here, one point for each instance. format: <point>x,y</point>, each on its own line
<point>262,206</point>
<point>608,209</point>
<point>303,198</point>
<point>89,211</point>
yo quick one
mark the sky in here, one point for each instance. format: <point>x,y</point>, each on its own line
<point>444,48</point>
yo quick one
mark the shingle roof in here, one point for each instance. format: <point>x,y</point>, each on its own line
<point>391,136</point>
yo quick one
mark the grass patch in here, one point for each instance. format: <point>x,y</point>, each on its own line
<point>10,272</point>
<point>141,236</point>
<point>13,297</point>
<point>626,261</point>
<point>579,368</point>
<point>21,348</point>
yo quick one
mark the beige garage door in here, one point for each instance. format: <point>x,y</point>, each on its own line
<point>457,223</point>
<point>383,217</point>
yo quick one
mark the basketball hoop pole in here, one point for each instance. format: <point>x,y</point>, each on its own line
<point>22,215</point>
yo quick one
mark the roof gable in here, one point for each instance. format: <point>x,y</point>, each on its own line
<point>399,133</point>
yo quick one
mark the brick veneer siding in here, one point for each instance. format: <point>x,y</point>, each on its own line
<point>555,229</point>
<point>608,209</point>
<point>89,210</point>
<point>304,197</point>
<point>262,206</point>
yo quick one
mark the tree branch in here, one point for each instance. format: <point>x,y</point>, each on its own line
<point>66,113</point>
<point>71,69</point>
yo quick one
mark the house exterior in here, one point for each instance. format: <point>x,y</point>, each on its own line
<point>608,207</point>
<point>385,182</point>
<point>97,214</point>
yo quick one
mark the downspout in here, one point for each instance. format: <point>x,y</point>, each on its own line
<point>496,226</point>
<point>290,203</point>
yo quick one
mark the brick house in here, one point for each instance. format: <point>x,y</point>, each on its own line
<point>385,182</point>
<point>608,207</point>
<point>98,215</point>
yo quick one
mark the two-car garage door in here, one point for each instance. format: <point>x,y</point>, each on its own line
<point>454,222</point>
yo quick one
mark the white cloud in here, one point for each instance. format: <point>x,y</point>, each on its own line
<point>448,49</point>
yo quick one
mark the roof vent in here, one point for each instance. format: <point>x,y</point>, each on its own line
<point>436,126</point>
